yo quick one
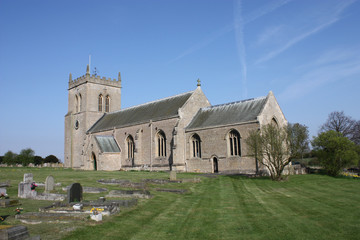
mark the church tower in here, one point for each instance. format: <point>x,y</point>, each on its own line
<point>89,98</point>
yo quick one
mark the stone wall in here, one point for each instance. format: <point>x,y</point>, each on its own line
<point>214,143</point>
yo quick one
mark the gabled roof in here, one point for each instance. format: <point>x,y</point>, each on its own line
<point>107,144</point>
<point>227,114</point>
<point>156,110</point>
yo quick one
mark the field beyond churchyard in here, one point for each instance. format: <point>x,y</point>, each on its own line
<point>221,207</point>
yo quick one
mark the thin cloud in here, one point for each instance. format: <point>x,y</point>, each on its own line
<point>239,36</point>
<point>331,20</point>
<point>325,70</point>
<point>272,6</point>
<point>268,34</point>
<point>268,8</point>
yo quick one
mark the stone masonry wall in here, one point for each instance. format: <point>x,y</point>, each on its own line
<point>214,143</point>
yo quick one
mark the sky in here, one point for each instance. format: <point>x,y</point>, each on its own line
<point>307,52</point>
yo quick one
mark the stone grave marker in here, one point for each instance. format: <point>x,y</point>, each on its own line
<point>49,183</point>
<point>75,193</point>
<point>24,188</point>
<point>172,176</point>
<point>28,178</point>
<point>14,232</point>
<point>2,191</point>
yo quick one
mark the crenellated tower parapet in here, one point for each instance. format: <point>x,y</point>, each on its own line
<point>94,79</point>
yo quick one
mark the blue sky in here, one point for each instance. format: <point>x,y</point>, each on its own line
<point>306,52</point>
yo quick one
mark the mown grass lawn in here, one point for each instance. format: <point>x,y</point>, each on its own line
<point>226,207</point>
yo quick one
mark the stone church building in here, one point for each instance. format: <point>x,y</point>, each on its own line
<point>182,132</point>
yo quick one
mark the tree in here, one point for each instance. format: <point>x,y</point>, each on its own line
<point>51,159</point>
<point>335,151</point>
<point>38,160</point>
<point>298,138</point>
<point>26,156</point>
<point>274,147</point>
<point>270,148</point>
<point>10,158</point>
<point>339,122</point>
<point>356,133</point>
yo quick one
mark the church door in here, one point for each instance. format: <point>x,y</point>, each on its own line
<point>216,166</point>
<point>94,159</point>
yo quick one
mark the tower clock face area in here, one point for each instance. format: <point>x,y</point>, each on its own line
<point>76,126</point>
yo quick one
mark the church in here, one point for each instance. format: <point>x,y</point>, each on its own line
<point>182,133</point>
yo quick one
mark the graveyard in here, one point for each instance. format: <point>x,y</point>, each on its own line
<point>69,204</point>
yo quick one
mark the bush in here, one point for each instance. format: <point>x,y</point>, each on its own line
<point>51,159</point>
<point>335,152</point>
<point>10,158</point>
<point>38,160</point>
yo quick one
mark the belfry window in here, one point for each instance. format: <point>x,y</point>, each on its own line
<point>76,104</point>
<point>100,103</point>
<point>196,146</point>
<point>234,143</point>
<point>130,147</point>
<point>161,144</point>
<point>79,103</point>
<point>107,103</point>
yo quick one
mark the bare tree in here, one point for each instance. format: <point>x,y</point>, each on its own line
<point>270,147</point>
<point>274,147</point>
<point>356,133</point>
<point>338,122</point>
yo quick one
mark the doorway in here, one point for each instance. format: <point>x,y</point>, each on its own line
<point>94,160</point>
<point>216,164</point>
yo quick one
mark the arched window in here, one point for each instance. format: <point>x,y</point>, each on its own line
<point>100,103</point>
<point>274,122</point>
<point>80,102</point>
<point>130,147</point>
<point>107,103</point>
<point>76,104</point>
<point>234,143</point>
<point>161,144</point>
<point>196,146</point>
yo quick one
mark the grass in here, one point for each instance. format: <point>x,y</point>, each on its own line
<point>226,207</point>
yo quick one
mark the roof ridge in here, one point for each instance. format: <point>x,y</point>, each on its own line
<point>235,102</point>
<point>158,100</point>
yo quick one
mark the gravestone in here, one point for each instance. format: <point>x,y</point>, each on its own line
<point>28,178</point>
<point>49,183</point>
<point>172,176</point>
<point>24,188</point>
<point>2,191</point>
<point>75,193</point>
<point>14,232</point>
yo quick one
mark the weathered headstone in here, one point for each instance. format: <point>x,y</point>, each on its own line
<point>28,178</point>
<point>14,232</point>
<point>24,188</point>
<point>2,191</point>
<point>49,183</point>
<point>75,193</point>
<point>172,176</point>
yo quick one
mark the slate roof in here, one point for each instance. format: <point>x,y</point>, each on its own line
<point>107,144</point>
<point>226,114</point>
<point>156,110</point>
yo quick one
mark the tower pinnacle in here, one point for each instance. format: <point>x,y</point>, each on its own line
<point>87,70</point>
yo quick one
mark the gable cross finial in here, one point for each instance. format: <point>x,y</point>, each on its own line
<point>198,82</point>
